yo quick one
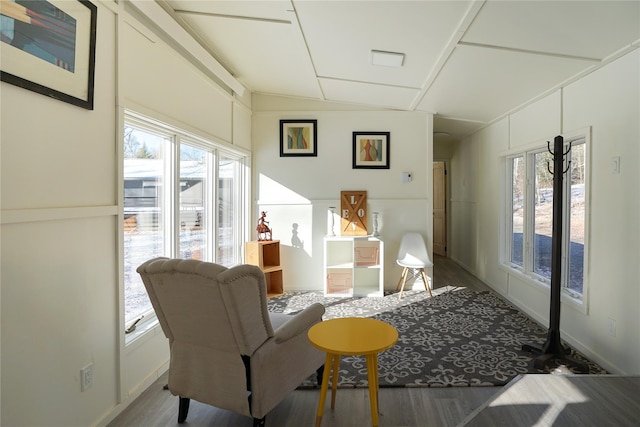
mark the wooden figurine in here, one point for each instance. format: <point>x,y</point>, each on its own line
<point>264,232</point>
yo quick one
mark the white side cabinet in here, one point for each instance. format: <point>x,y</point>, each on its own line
<point>353,266</point>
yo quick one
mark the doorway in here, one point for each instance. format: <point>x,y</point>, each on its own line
<point>440,208</point>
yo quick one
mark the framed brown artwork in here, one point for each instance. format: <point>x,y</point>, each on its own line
<point>371,150</point>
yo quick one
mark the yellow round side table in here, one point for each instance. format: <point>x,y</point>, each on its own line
<point>351,336</point>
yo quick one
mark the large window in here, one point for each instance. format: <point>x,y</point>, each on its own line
<point>172,205</point>
<point>530,214</point>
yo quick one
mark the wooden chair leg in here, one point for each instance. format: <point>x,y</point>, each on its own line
<point>402,276</point>
<point>183,409</point>
<point>426,282</point>
<point>403,280</point>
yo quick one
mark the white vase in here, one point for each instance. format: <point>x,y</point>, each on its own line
<point>375,225</point>
<point>332,211</point>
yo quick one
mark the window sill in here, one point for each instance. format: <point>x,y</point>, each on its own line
<point>142,329</point>
<point>576,302</point>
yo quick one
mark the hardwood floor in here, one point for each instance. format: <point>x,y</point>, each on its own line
<point>447,273</point>
<point>398,406</point>
<point>563,400</point>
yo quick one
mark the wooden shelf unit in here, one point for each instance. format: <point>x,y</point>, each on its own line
<point>353,266</point>
<point>266,255</point>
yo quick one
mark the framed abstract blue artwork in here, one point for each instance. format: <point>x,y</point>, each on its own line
<point>49,47</point>
<point>298,138</point>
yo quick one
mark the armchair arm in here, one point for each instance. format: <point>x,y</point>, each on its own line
<point>284,361</point>
<point>299,323</point>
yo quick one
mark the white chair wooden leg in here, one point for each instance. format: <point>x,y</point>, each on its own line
<point>402,281</point>
<point>402,276</point>
<point>426,282</point>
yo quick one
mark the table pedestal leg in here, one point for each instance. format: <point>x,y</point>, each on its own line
<point>334,380</point>
<point>372,377</point>
<point>323,388</point>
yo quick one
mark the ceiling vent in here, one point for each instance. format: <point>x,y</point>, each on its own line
<point>387,59</point>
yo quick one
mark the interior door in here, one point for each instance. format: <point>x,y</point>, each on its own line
<point>439,209</point>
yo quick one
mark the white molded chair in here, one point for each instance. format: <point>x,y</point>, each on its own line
<point>413,255</point>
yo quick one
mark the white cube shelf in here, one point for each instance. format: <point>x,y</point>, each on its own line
<point>353,266</point>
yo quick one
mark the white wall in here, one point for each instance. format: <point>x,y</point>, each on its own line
<point>59,269</point>
<point>300,189</point>
<point>61,201</point>
<point>607,101</point>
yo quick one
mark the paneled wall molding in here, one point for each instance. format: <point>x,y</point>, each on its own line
<point>307,112</point>
<point>336,200</point>
<point>136,110</point>
<point>463,201</point>
<point>238,103</point>
<point>16,216</point>
<point>605,61</point>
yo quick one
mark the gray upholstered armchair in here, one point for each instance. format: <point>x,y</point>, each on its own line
<point>227,350</point>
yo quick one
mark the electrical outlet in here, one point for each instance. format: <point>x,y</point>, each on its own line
<point>612,327</point>
<point>86,377</point>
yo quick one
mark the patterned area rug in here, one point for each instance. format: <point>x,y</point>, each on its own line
<point>460,337</point>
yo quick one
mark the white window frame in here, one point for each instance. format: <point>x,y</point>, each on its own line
<point>148,320</point>
<point>508,245</point>
<point>525,272</point>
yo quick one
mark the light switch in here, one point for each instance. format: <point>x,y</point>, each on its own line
<point>615,165</point>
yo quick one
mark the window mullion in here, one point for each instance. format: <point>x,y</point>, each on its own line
<point>245,188</point>
<point>238,206</point>
<point>511,252</point>
<point>508,227</point>
<point>212,212</point>
<point>173,208</point>
<point>529,214</point>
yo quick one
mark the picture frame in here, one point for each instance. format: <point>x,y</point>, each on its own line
<point>298,138</point>
<point>371,150</point>
<point>48,47</point>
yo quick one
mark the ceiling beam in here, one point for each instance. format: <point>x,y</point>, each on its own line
<point>160,17</point>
